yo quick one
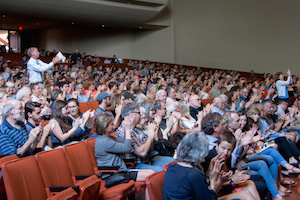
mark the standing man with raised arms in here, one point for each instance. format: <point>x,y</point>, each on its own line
<point>36,67</point>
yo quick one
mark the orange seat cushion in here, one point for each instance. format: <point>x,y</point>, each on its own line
<point>119,190</point>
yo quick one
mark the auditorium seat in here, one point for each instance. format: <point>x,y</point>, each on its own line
<point>83,107</point>
<point>56,173</point>
<point>139,185</point>
<point>154,183</point>
<point>165,167</point>
<point>207,101</point>
<point>2,161</point>
<point>23,180</point>
<point>93,105</point>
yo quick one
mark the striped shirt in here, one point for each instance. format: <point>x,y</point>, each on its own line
<point>12,138</point>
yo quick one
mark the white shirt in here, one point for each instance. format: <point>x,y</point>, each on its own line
<point>36,68</point>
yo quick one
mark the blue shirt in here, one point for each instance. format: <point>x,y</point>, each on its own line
<point>82,98</point>
<point>12,138</point>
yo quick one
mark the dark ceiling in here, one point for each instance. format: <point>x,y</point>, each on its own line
<point>37,14</point>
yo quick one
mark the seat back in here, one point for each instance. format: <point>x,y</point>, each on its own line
<point>154,183</point>
<point>2,161</point>
<point>84,107</point>
<point>54,168</point>
<point>165,167</point>
<point>79,160</point>
<point>23,180</point>
<point>93,105</point>
<point>207,101</point>
<point>90,143</point>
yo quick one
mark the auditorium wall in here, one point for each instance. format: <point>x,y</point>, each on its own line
<point>231,34</point>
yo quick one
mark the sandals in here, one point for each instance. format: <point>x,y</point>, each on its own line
<point>288,182</point>
<point>292,171</point>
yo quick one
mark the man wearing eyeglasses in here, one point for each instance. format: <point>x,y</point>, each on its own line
<point>195,106</point>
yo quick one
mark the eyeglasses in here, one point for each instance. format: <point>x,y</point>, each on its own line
<point>71,107</point>
<point>196,99</point>
<point>137,113</point>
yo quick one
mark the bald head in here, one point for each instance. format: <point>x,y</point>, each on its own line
<point>218,102</point>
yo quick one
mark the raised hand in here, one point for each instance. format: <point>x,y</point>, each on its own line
<point>127,123</point>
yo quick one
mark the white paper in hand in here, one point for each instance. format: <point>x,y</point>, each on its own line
<point>60,55</point>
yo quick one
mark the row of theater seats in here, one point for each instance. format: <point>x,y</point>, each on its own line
<point>73,167</point>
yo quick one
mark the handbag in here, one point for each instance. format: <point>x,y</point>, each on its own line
<point>164,147</point>
<point>115,179</point>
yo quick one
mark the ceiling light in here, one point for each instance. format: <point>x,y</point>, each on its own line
<point>73,22</point>
<point>3,16</point>
<point>103,25</point>
<point>140,27</point>
<point>37,24</point>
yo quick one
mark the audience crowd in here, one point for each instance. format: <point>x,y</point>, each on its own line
<point>236,147</point>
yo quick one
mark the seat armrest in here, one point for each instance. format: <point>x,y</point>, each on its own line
<point>81,177</point>
<point>108,167</point>
<point>61,188</point>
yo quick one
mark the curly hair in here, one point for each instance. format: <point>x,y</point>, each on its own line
<point>193,148</point>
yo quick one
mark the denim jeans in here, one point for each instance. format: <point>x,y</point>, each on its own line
<point>260,168</point>
<point>275,155</point>
<point>157,163</point>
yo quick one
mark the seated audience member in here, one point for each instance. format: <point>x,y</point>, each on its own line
<point>74,113</point>
<point>171,94</point>
<point>252,75</point>
<point>276,127</point>
<point>17,82</point>
<point>117,102</point>
<point>195,106</point>
<point>258,167</point>
<point>112,87</point>
<point>143,86</point>
<point>218,105</point>
<point>186,120</point>
<point>10,90</point>
<point>34,117</point>
<point>239,179</point>
<point>79,94</point>
<point>115,60</point>
<point>190,153</point>
<point>14,138</point>
<point>64,87</point>
<point>89,87</point>
<point>107,61</point>
<point>141,141</point>
<point>6,73</point>
<point>104,100</point>
<point>215,91</point>
<point>24,60</point>
<point>161,95</point>
<point>56,94</point>
<point>108,148</point>
<point>36,91</point>
<point>131,86</point>
<point>63,131</point>
<point>2,81</point>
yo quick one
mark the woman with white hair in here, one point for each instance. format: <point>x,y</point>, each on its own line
<point>184,179</point>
